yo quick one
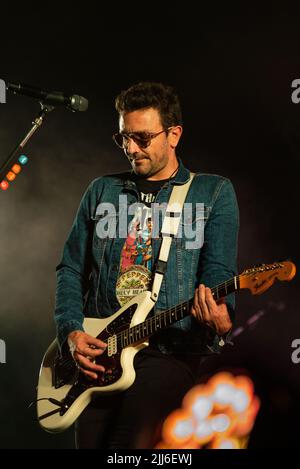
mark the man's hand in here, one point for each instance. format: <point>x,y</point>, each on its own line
<point>206,310</point>
<point>85,349</point>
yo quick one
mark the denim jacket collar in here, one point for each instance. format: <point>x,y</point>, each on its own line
<point>128,179</point>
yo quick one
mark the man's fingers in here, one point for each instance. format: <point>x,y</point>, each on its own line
<point>196,311</point>
<point>84,349</point>
<point>88,345</point>
<point>200,309</point>
<point>96,342</point>
<point>209,297</point>
<point>207,310</point>
<point>87,364</point>
<point>87,351</point>
<point>196,303</point>
<point>202,302</point>
<point>82,339</point>
<point>90,374</point>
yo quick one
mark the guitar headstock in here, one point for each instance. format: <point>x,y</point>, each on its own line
<point>259,278</point>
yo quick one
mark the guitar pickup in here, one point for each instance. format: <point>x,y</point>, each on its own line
<point>112,345</point>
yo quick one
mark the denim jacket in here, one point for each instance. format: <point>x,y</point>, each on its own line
<point>88,271</point>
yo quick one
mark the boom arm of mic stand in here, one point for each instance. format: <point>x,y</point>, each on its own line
<point>36,124</point>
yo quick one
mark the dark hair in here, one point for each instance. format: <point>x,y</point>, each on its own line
<point>150,94</point>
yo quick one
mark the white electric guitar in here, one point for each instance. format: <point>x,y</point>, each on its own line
<point>63,391</point>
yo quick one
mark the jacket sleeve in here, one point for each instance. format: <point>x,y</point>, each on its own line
<point>218,260</point>
<point>73,272</point>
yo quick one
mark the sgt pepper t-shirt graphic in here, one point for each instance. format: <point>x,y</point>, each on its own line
<point>136,257</point>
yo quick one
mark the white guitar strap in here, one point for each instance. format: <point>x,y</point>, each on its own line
<point>168,231</point>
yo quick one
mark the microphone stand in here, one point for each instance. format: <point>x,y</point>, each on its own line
<point>36,124</point>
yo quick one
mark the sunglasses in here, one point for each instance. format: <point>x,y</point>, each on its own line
<point>142,139</point>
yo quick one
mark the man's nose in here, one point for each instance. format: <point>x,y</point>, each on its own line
<point>131,146</point>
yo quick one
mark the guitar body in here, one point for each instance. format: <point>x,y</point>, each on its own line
<point>72,387</point>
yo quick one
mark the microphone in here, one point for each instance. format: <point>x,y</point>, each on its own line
<point>56,98</point>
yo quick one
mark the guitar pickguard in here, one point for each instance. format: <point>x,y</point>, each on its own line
<point>120,323</point>
<point>113,370</point>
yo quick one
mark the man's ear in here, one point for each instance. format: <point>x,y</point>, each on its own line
<point>174,135</point>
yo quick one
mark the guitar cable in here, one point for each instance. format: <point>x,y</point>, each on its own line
<point>53,401</point>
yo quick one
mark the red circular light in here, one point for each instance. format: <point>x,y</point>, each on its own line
<point>4,185</point>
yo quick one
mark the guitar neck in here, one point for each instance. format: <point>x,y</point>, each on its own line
<point>164,319</point>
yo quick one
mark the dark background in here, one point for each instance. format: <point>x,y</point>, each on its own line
<point>233,71</point>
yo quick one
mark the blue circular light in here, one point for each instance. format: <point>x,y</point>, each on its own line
<point>23,159</point>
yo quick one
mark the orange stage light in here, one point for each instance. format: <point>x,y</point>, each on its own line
<point>218,414</point>
<point>16,168</point>
<point>10,176</point>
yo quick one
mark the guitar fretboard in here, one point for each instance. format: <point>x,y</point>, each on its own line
<point>165,318</point>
